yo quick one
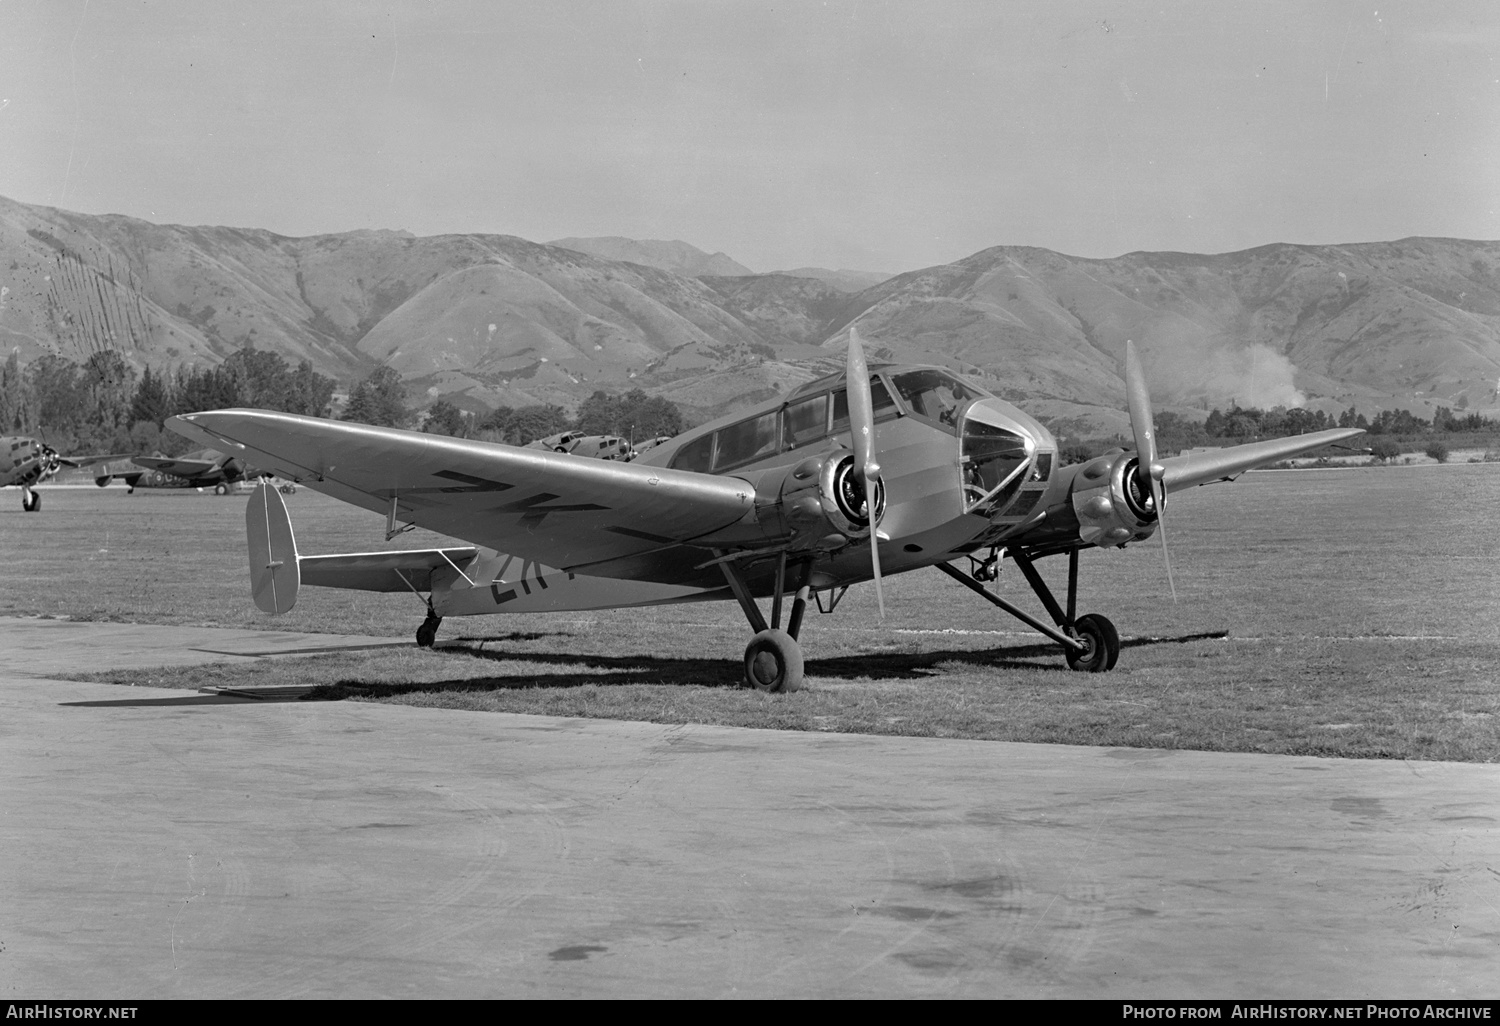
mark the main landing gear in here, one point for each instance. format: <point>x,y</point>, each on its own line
<point>31,501</point>
<point>773,659</point>
<point>1090,642</point>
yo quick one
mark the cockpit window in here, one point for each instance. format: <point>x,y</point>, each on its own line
<point>934,395</point>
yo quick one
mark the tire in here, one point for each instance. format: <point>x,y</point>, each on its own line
<point>427,633</point>
<point>773,662</point>
<point>221,489</point>
<point>36,503</point>
<point>1103,643</point>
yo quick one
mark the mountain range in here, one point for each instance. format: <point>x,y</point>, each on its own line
<point>488,320</point>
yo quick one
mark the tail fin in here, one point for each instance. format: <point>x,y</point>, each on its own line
<point>274,575</point>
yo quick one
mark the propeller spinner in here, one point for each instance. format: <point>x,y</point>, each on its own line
<point>862,427</point>
<point>1148,471</point>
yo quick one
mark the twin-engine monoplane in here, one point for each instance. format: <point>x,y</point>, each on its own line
<point>870,472</point>
<point>205,469</point>
<point>27,462</point>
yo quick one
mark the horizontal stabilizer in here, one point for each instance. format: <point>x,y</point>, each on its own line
<point>1200,468</point>
<point>273,551</point>
<point>383,571</point>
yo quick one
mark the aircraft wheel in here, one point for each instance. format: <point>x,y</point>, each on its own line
<point>1102,641</point>
<point>221,489</point>
<point>773,662</point>
<point>34,505</point>
<point>427,633</point>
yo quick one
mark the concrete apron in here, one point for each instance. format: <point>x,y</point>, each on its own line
<point>165,844</point>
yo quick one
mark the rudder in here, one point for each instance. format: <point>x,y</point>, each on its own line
<point>274,575</point>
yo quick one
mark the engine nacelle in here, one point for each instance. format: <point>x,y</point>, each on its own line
<point>1109,503</point>
<point>824,496</point>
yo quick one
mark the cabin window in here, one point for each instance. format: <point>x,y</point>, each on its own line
<point>696,455</point>
<point>805,421</point>
<point>880,400</point>
<point>745,441</point>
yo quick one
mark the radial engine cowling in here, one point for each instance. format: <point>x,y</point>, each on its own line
<point>1109,503</point>
<point>822,502</point>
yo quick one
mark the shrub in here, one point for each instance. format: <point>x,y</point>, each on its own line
<point>1437,451</point>
<point>1384,449</point>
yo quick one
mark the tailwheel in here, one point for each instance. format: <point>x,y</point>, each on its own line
<point>1101,641</point>
<point>773,662</point>
<point>427,633</point>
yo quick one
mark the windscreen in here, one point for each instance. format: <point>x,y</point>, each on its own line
<point>996,454</point>
<point>935,395</point>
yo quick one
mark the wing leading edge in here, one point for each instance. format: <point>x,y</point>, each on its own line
<point>561,510</point>
<point>1199,468</point>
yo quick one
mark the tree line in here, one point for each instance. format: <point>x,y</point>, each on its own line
<point>634,416</point>
<point>1175,433</point>
<point>104,405</point>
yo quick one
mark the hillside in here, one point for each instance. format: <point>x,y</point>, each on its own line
<point>487,320</point>
<point>677,257</point>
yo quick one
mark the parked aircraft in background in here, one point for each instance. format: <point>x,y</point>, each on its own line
<point>846,478</point>
<point>599,447</point>
<point>26,462</point>
<point>205,469</point>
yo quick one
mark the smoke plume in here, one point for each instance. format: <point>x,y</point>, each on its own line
<point>1197,370</point>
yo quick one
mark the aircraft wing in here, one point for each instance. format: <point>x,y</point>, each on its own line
<point>89,461</point>
<point>177,468</point>
<point>561,510</point>
<point>1199,468</point>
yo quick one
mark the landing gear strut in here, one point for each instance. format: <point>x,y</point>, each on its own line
<point>31,501</point>
<point>1089,642</point>
<point>427,633</point>
<point>773,659</point>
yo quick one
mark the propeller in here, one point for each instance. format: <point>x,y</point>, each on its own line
<point>862,427</point>
<point>1148,471</point>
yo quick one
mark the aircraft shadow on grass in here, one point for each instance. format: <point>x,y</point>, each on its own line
<point>621,671</point>
<point>618,671</point>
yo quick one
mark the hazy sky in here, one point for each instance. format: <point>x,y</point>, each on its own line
<point>869,135</point>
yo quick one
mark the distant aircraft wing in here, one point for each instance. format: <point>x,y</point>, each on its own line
<point>565,511</point>
<point>89,461</point>
<point>1199,468</point>
<point>177,468</point>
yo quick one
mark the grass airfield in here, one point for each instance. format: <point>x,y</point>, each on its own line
<point>1350,613</point>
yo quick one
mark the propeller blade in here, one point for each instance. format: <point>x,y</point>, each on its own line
<point>1161,528</point>
<point>1138,396</point>
<point>1148,470</point>
<point>862,428</point>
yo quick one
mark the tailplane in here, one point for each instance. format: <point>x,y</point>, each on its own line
<point>274,574</point>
